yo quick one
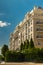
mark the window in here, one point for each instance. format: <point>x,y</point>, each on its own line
<point>39,22</point>
<point>38,29</point>
<point>38,43</point>
<point>26,36</point>
<point>31,35</point>
<point>31,28</point>
<point>39,36</point>
<point>28,23</point>
<point>31,22</point>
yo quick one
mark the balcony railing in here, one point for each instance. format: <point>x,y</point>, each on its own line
<point>39,36</point>
<point>38,29</point>
<point>38,22</point>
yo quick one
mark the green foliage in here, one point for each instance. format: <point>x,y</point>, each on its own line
<point>30,54</point>
<point>27,44</point>
<point>21,46</point>
<point>24,45</point>
<point>39,57</point>
<point>31,44</point>
<point>4,49</point>
<point>34,55</point>
<point>27,53</point>
<point>1,58</point>
<point>14,56</point>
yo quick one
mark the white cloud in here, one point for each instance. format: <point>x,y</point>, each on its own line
<point>3,24</point>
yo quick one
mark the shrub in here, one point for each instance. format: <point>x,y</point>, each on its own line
<point>14,56</point>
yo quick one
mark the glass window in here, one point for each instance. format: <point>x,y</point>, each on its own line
<point>31,22</point>
<point>31,28</point>
<point>38,43</point>
<point>39,29</point>
<point>37,36</point>
<point>39,22</point>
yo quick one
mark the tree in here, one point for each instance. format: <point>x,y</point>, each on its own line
<point>24,45</point>
<point>31,44</point>
<point>12,56</point>
<point>21,46</point>
<point>4,49</point>
<point>27,44</point>
<point>1,58</point>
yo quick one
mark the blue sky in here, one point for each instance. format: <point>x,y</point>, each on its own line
<point>11,13</point>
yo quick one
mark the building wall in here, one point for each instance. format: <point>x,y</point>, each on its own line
<point>31,26</point>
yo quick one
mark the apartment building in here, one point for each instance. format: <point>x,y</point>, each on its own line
<point>31,26</point>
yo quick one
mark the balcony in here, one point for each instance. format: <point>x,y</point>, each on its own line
<point>39,22</point>
<point>39,36</point>
<point>39,30</point>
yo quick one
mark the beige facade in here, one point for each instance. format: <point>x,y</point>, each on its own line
<point>31,26</point>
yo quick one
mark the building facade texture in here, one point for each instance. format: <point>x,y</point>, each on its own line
<point>31,26</point>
